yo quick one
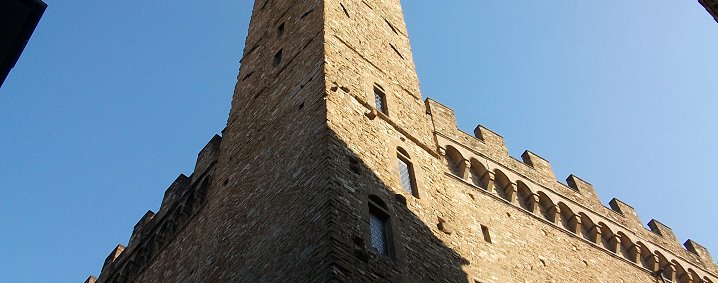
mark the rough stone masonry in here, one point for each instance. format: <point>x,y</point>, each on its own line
<point>332,168</point>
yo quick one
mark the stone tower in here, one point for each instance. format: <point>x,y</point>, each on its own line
<point>333,168</point>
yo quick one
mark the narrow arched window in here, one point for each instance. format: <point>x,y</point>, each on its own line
<point>406,171</point>
<point>379,226</point>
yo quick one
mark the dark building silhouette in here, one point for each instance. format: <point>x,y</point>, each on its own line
<point>711,6</point>
<point>18,19</point>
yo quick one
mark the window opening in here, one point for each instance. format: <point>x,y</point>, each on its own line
<point>280,30</point>
<point>397,51</point>
<point>278,58</point>
<point>406,174</point>
<point>391,26</point>
<point>306,14</point>
<point>379,225</point>
<point>487,234</point>
<point>345,10</point>
<point>380,99</point>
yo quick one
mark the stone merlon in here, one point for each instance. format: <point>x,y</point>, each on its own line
<point>172,194</point>
<point>663,230</point>
<point>539,163</point>
<point>207,157</point>
<point>116,252</point>
<point>701,251</point>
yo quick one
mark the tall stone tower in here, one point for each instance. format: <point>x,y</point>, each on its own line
<point>333,168</point>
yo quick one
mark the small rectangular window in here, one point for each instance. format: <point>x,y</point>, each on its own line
<point>380,100</point>
<point>280,30</point>
<point>405,173</point>
<point>278,58</point>
<point>377,227</point>
<point>487,234</point>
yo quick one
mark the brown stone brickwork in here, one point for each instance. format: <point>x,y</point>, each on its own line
<point>333,168</point>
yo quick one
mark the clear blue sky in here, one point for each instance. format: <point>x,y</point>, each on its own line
<point>111,100</point>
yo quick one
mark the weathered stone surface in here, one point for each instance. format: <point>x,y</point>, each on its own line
<point>308,160</point>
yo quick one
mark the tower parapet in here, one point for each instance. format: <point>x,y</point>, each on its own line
<point>184,197</point>
<point>616,229</point>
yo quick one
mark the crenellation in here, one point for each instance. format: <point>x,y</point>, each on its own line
<point>494,141</point>
<point>538,163</point>
<point>116,252</point>
<point>615,228</point>
<point>443,117</point>
<point>588,195</point>
<point>632,221</point>
<point>702,252</point>
<point>206,158</point>
<point>175,190</point>
<point>140,227</point>
<point>663,231</point>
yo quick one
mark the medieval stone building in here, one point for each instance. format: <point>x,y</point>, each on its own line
<point>333,168</point>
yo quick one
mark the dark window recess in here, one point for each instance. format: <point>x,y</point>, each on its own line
<point>354,165</point>
<point>280,30</point>
<point>306,14</point>
<point>278,58</point>
<point>345,10</point>
<point>265,4</point>
<point>391,26</point>
<point>397,51</point>
<point>378,226</point>
<point>367,4</point>
<point>487,234</point>
<point>247,76</point>
<point>380,99</point>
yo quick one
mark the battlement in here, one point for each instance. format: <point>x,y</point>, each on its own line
<point>574,207</point>
<point>182,199</point>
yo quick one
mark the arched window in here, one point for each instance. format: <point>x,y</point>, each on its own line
<point>379,226</point>
<point>406,171</point>
<point>454,161</point>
